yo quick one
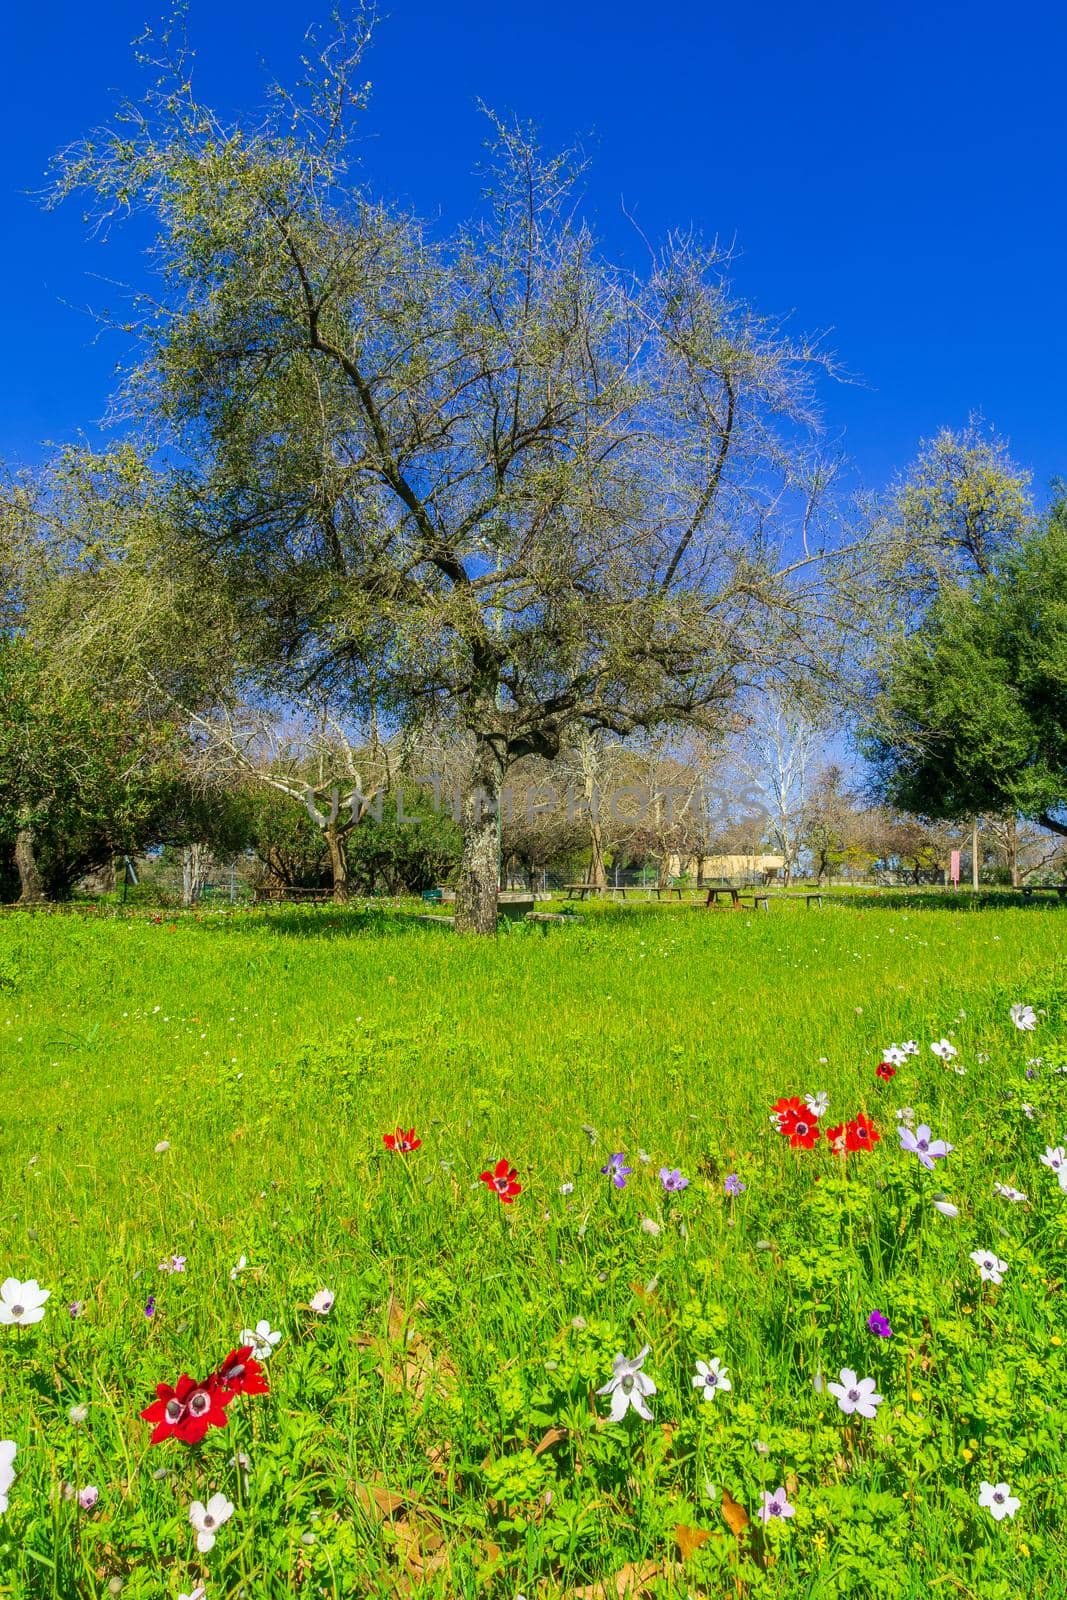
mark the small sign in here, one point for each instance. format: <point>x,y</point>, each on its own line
<point>954,868</point>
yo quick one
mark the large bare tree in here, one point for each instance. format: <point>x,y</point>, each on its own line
<point>487,469</point>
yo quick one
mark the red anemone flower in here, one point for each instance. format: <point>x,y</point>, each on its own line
<point>401,1142</point>
<point>241,1373</point>
<point>803,1132</point>
<point>861,1134</point>
<point>788,1112</point>
<point>886,1070</point>
<point>188,1410</point>
<point>504,1181</point>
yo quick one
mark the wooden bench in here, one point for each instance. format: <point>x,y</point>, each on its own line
<point>661,889</point>
<point>578,891</point>
<point>543,918</point>
<point>282,895</point>
<point>1059,889</point>
<point>807,895</point>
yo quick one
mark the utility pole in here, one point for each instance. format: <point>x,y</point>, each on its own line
<point>974,855</point>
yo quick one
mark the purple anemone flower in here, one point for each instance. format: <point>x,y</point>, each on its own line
<point>616,1171</point>
<point>733,1184</point>
<point>878,1323</point>
<point>150,1306</point>
<point>673,1179</point>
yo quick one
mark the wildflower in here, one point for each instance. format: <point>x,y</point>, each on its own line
<point>235,1272</point>
<point>88,1496</point>
<point>503,1180</point>
<point>858,1134</point>
<point>403,1143</point>
<point>78,1414</point>
<point>629,1386</point>
<point>644,1157</point>
<point>175,1264</point>
<point>162,1147</point>
<point>796,1122</point>
<point>616,1170</point>
<point>1006,1192</point>
<point>818,1104</point>
<point>322,1303</point>
<point>199,1593</point>
<point>945,1206</point>
<point>1024,1018</point>
<point>711,1377</point>
<point>206,1519</point>
<point>886,1070</point>
<point>187,1410</point>
<point>22,1303</point>
<point>76,1308</point>
<point>943,1049</point>
<point>775,1505</point>
<point>8,1451</point>
<point>856,1394</point>
<point>990,1267</point>
<point>672,1179</point>
<point>261,1339</point>
<point>910,1047</point>
<point>878,1323</point>
<point>906,1115</point>
<point>1056,1161</point>
<point>922,1144</point>
<point>150,1306</point>
<point>733,1184</point>
<point>241,1373</point>
<point>566,1188</point>
<point>895,1056</point>
<point>998,1500</point>
<point>648,1225</point>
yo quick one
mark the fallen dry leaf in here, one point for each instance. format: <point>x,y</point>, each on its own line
<point>553,1436</point>
<point>735,1516</point>
<point>630,1582</point>
<point>689,1540</point>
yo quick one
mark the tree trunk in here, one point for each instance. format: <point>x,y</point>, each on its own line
<point>479,869</point>
<point>974,855</point>
<point>335,843</point>
<point>31,889</point>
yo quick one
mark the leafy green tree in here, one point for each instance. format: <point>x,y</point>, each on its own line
<point>972,711</point>
<point>491,475</point>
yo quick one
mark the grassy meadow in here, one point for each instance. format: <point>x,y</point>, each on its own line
<point>217,1087</point>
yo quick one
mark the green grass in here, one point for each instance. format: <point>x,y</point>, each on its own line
<point>397,1451</point>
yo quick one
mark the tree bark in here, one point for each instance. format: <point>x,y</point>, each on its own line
<point>31,888</point>
<point>335,843</point>
<point>479,870</point>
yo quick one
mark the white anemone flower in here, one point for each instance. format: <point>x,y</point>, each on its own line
<point>322,1303</point>
<point>856,1394</point>
<point>818,1104</point>
<point>22,1303</point>
<point>8,1451</point>
<point>236,1271</point>
<point>629,1386</point>
<point>199,1593</point>
<point>1006,1192</point>
<point>944,1048</point>
<point>990,1267</point>
<point>1024,1018</point>
<point>943,1204</point>
<point>998,1500</point>
<point>262,1338</point>
<point>1056,1161</point>
<point>711,1377</point>
<point>910,1047</point>
<point>207,1519</point>
<point>896,1055</point>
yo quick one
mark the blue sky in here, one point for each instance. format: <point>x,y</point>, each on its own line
<point>894,173</point>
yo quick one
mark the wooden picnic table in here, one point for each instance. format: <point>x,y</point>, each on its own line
<point>660,889</point>
<point>807,895</point>
<point>739,898</point>
<point>279,892</point>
